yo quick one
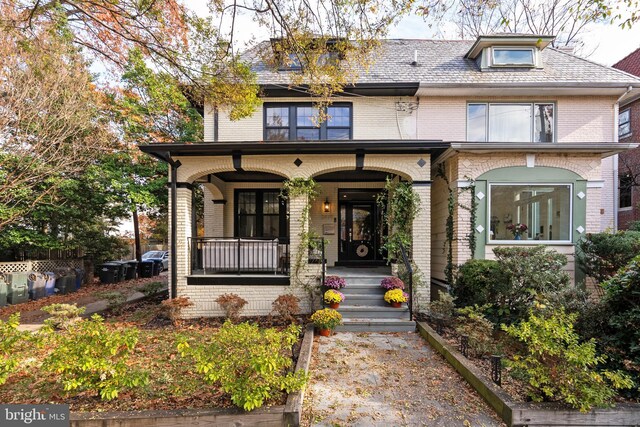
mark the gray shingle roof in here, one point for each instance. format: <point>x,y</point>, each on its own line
<point>442,62</point>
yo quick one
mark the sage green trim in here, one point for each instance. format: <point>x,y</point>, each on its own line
<point>535,175</point>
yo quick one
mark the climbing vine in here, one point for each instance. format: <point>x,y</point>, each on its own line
<point>400,205</point>
<point>452,203</point>
<point>308,189</point>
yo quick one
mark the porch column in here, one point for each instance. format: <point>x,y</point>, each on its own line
<point>422,246</point>
<point>296,228</point>
<point>183,232</point>
<point>213,215</point>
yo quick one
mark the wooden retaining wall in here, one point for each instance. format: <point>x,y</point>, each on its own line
<point>528,414</point>
<point>287,415</point>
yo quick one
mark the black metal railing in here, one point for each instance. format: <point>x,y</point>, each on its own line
<point>409,278</point>
<point>239,255</point>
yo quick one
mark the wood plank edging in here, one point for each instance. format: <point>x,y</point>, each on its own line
<point>293,406</point>
<point>528,414</point>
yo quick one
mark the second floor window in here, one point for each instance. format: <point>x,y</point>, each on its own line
<point>299,122</point>
<point>501,122</point>
<point>624,123</point>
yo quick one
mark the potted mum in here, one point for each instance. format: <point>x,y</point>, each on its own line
<point>392,282</point>
<point>326,320</point>
<point>333,298</point>
<point>396,297</point>
<point>335,282</point>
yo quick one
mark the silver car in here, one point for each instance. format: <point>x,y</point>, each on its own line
<point>158,255</point>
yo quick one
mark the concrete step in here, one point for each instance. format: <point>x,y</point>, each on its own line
<point>372,299</point>
<point>374,312</point>
<point>364,280</point>
<point>362,290</point>
<point>376,325</point>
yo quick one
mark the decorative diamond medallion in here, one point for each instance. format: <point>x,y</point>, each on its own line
<point>580,229</point>
<point>422,162</point>
<point>480,195</point>
<point>581,195</point>
<point>297,162</point>
<point>479,229</point>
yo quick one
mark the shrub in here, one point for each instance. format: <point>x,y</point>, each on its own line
<point>479,329</point>
<point>333,297</point>
<point>62,315</point>
<point>173,307</point>
<point>335,282</point>
<point>392,282</point>
<point>287,306</point>
<point>152,288</point>
<point>115,300</point>
<point>89,356</point>
<point>10,338</point>
<point>326,318</point>
<point>396,295</point>
<point>479,281</point>
<point>232,305</point>
<point>601,255</point>
<point>442,308</point>
<point>531,274</point>
<point>558,367</point>
<point>249,363</point>
<point>620,314</point>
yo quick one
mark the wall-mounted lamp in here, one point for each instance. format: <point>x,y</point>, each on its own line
<point>327,205</point>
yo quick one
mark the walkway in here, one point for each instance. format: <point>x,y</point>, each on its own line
<point>388,380</point>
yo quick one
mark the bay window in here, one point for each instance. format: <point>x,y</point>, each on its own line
<point>510,122</point>
<point>535,212</point>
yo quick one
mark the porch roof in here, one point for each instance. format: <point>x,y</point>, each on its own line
<point>164,150</point>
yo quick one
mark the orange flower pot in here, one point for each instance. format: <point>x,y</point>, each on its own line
<point>334,305</point>
<point>396,304</point>
<point>324,332</point>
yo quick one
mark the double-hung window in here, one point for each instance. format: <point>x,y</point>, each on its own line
<point>510,122</point>
<point>260,213</point>
<point>537,212</point>
<point>624,194</point>
<point>300,122</point>
<point>624,123</point>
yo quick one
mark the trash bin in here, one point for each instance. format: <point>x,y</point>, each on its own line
<point>123,267</point>
<point>66,284</point>
<point>146,269</point>
<point>17,289</point>
<point>36,285</point>
<point>79,277</point>
<point>3,291</point>
<point>132,270</point>
<point>157,266</point>
<point>109,272</point>
<point>50,283</point>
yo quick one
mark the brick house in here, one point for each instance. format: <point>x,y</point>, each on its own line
<point>629,162</point>
<point>530,128</point>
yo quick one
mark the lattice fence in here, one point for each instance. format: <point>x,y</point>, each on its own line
<point>41,266</point>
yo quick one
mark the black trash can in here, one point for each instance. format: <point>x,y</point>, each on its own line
<point>66,284</point>
<point>132,270</point>
<point>122,270</point>
<point>146,269</point>
<point>157,267</point>
<point>109,272</point>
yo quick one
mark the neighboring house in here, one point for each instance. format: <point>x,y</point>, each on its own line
<point>629,162</point>
<point>526,124</point>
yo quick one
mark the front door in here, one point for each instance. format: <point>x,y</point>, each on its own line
<point>359,232</point>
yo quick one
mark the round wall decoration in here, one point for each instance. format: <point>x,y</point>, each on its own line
<point>362,251</point>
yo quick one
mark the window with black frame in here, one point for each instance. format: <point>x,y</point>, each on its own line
<point>260,213</point>
<point>301,122</point>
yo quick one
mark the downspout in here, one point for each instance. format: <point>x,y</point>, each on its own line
<point>616,179</point>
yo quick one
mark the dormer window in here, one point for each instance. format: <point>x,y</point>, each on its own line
<point>513,57</point>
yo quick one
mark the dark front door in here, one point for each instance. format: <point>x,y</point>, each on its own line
<point>359,232</point>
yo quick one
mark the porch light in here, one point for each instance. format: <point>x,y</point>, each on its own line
<point>327,205</point>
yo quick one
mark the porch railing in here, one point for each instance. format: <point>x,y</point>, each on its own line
<point>409,278</point>
<point>236,255</point>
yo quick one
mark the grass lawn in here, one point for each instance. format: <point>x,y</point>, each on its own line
<point>172,384</point>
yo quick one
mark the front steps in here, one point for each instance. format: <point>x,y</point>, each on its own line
<point>364,309</point>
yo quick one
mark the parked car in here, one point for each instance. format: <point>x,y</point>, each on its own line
<point>158,255</point>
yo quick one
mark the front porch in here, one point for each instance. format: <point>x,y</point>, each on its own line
<point>251,239</point>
